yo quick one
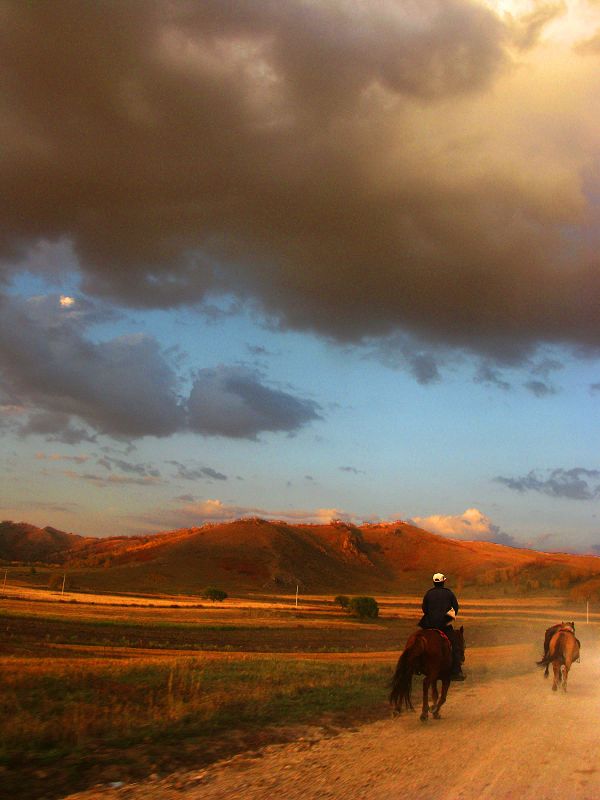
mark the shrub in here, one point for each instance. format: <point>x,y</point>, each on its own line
<point>342,601</point>
<point>364,607</point>
<point>216,595</point>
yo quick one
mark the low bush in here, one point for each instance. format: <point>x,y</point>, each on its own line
<point>342,601</point>
<point>216,595</point>
<point>364,607</point>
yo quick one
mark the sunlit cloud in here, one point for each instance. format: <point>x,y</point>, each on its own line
<point>79,459</point>
<point>195,513</point>
<point>471,525</point>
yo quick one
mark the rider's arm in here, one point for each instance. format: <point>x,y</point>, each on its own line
<point>454,601</point>
<point>424,604</point>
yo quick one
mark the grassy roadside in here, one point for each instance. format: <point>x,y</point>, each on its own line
<point>69,724</point>
<point>70,719</point>
<point>66,726</point>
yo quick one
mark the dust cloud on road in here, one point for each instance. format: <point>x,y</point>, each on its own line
<point>503,739</point>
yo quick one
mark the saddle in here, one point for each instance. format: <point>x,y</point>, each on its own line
<point>566,629</point>
<point>443,635</point>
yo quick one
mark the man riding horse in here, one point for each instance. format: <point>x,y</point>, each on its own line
<point>440,608</point>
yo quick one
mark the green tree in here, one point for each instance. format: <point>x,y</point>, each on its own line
<point>342,601</point>
<point>216,595</point>
<point>364,607</point>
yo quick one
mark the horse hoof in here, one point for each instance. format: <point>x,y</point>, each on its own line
<point>437,716</point>
<point>554,688</point>
<point>424,717</point>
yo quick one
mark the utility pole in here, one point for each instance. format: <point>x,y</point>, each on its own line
<point>587,611</point>
<point>297,595</point>
<point>62,591</point>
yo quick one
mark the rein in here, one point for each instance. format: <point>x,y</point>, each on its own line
<point>443,635</point>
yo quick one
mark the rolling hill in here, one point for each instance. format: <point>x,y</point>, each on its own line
<point>271,556</point>
<point>20,541</point>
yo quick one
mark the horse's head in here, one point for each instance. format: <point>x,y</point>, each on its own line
<point>570,625</point>
<point>459,641</point>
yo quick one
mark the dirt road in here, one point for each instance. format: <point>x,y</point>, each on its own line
<point>505,739</point>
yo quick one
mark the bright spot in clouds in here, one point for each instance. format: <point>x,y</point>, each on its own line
<point>471,525</point>
<point>66,301</point>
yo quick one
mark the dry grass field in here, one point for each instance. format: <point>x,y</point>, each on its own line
<point>105,688</point>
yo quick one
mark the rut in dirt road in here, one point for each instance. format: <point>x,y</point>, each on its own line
<point>506,739</point>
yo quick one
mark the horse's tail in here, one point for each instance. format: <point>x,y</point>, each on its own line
<point>402,680</point>
<point>545,662</point>
<point>556,650</point>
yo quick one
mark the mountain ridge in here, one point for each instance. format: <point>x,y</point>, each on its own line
<point>251,554</point>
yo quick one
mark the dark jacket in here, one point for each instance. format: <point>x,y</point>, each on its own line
<point>436,604</point>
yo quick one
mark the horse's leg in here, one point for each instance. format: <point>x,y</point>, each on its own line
<point>425,709</point>
<point>556,675</point>
<point>434,695</point>
<point>547,670</point>
<point>564,674</point>
<point>445,686</point>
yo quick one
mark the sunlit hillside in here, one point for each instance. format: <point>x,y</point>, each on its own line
<point>259,555</point>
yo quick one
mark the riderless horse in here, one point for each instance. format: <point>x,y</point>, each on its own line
<point>561,649</point>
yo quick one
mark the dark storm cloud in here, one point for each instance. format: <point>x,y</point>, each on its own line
<point>197,473</point>
<point>573,484</point>
<point>545,367</point>
<point>258,350</point>
<point>501,537</point>
<point>122,387</point>
<point>325,160</point>
<point>424,368</point>
<point>125,387</point>
<point>404,352</point>
<point>54,426</point>
<point>490,376</point>
<point>539,388</point>
<point>128,467</point>
<point>185,498</point>
<point>232,401</point>
<point>113,480</point>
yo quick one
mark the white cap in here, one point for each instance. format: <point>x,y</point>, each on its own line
<point>439,577</point>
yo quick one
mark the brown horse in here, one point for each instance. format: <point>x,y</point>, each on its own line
<point>563,650</point>
<point>427,653</point>
<point>549,633</point>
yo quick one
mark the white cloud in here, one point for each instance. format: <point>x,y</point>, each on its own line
<point>471,525</point>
